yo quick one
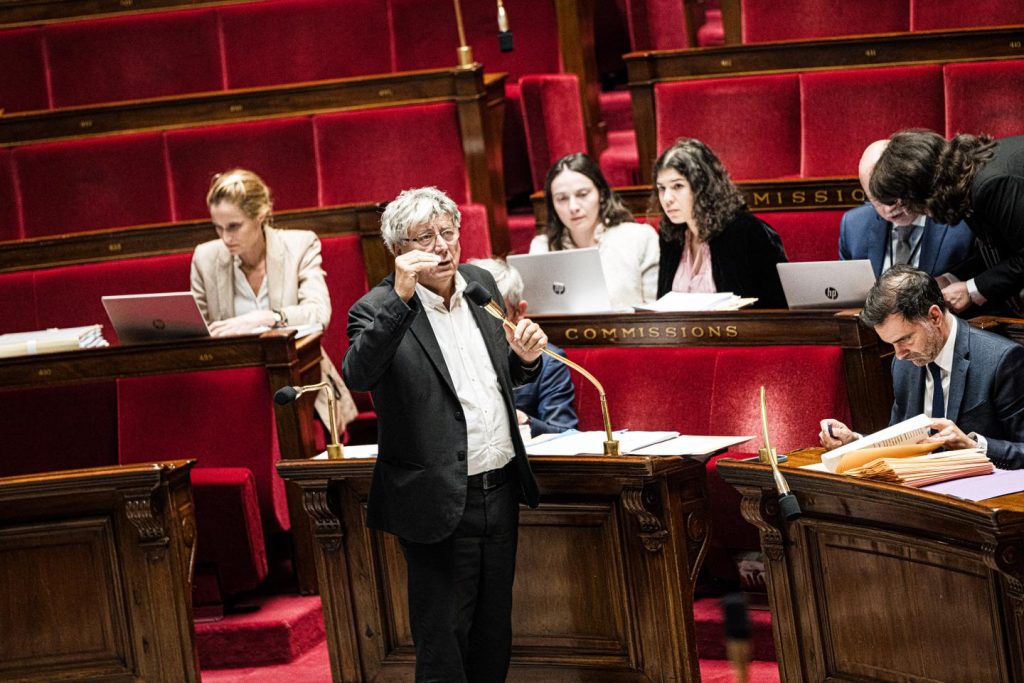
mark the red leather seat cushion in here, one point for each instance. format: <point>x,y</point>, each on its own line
<point>768,20</point>
<point>807,235</point>
<point>23,78</point>
<point>553,120</point>
<point>984,97</point>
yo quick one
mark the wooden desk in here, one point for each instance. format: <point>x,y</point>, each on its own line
<point>96,568</point>
<point>287,361</point>
<point>888,583</point>
<point>604,582</point>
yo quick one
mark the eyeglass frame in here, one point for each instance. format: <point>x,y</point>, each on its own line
<point>433,238</point>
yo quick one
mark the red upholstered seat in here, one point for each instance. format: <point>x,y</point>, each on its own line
<point>620,161</point>
<point>372,155</point>
<point>70,295</point>
<point>10,221</point>
<point>522,228</point>
<point>229,536</point>
<point>872,102</point>
<point>553,120</point>
<point>279,150</point>
<point>133,57</point>
<point>752,123</point>
<point>23,77</point>
<point>768,20</point>
<point>712,31</point>
<point>926,15</point>
<point>807,235</point>
<point>475,235</point>
<point>346,282</point>
<point>985,97</point>
<point>656,24</point>
<point>292,41</point>
<point>18,302</point>
<point>92,184</point>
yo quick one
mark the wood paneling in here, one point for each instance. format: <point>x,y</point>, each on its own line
<point>96,566</point>
<point>604,583</point>
<point>888,583</point>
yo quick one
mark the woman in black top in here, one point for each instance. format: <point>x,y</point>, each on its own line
<point>710,242</point>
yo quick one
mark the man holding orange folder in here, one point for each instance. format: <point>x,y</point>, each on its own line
<point>970,382</point>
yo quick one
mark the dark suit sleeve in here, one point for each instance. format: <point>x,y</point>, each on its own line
<point>554,411</point>
<point>1008,402</point>
<point>1000,204</point>
<point>376,325</point>
<point>844,247</point>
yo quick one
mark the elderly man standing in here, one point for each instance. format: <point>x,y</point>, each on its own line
<point>892,235</point>
<point>970,382</point>
<point>451,468</point>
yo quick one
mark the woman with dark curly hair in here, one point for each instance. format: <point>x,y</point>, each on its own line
<point>584,212</point>
<point>971,178</point>
<point>710,242</point>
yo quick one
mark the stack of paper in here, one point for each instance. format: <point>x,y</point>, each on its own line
<point>923,470</point>
<point>695,301</point>
<point>630,443</point>
<point>51,341</point>
<point>901,434</point>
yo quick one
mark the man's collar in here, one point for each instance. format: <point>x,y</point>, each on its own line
<point>436,301</point>
<point>945,358</point>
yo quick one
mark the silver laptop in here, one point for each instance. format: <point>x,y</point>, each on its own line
<point>826,284</point>
<point>569,281</point>
<point>155,317</point>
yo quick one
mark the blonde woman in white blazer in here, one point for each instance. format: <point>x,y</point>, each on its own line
<point>256,277</point>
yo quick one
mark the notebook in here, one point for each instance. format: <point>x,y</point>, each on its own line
<point>155,317</point>
<point>569,281</point>
<point>826,284</point>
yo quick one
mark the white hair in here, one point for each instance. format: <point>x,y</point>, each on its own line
<point>415,207</point>
<point>510,282</point>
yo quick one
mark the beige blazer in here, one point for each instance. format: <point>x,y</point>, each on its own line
<point>296,286</point>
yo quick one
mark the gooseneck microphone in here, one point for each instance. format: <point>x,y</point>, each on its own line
<point>288,394</point>
<point>481,297</point>
<point>789,506</point>
<point>504,35</point>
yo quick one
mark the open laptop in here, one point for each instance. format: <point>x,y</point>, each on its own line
<point>569,281</point>
<point>155,317</point>
<point>826,284</point>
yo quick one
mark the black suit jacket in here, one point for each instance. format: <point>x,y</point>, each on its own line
<point>418,491</point>
<point>743,258</point>
<point>986,392</point>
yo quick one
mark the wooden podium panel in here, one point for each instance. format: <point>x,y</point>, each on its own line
<point>604,581</point>
<point>96,568</point>
<point>888,583</point>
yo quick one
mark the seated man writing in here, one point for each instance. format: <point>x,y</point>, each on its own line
<point>970,382</point>
<point>545,404</point>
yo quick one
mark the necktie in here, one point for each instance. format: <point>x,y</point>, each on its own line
<point>938,398</point>
<point>902,253</point>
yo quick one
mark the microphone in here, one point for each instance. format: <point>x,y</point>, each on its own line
<point>476,293</point>
<point>789,506</point>
<point>737,634</point>
<point>504,35</point>
<point>288,394</point>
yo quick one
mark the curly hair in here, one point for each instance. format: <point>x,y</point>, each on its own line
<point>612,210</point>
<point>931,175</point>
<point>716,200</point>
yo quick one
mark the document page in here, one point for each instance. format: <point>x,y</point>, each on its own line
<point>908,431</point>
<point>686,444</point>
<point>592,443</point>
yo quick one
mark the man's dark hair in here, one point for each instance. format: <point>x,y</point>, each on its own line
<point>904,290</point>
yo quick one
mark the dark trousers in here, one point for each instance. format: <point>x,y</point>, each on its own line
<point>460,591</point>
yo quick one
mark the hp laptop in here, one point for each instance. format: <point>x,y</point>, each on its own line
<point>826,284</point>
<point>568,281</point>
<point>155,317</point>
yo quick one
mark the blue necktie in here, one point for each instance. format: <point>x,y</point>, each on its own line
<point>938,398</point>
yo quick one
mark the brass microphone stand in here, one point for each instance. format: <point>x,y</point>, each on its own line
<point>286,395</point>
<point>789,506</point>
<point>464,51</point>
<point>611,445</point>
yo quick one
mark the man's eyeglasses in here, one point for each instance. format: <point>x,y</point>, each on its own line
<point>427,239</point>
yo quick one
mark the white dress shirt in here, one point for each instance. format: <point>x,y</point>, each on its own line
<point>945,362</point>
<point>488,432</point>
<point>246,300</point>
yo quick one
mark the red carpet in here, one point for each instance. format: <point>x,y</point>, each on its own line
<point>312,667</point>
<point>283,628</point>
<point>707,613</point>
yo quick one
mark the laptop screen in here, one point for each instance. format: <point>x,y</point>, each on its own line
<point>569,281</point>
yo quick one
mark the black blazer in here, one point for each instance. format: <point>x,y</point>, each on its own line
<point>418,491</point>
<point>743,258</point>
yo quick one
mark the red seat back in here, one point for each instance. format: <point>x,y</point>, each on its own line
<point>10,220</point>
<point>869,105</point>
<point>346,282</point>
<point>768,20</point>
<point>133,57</point>
<point>752,123</point>
<point>985,97</point>
<point>807,235</point>
<point>23,78</point>
<point>927,15</point>
<point>280,151</point>
<point>91,184</point>
<point>552,119</point>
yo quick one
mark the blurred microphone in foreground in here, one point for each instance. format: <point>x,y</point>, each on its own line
<point>286,395</point>
<point>504,35</point>
<point>737,634</point>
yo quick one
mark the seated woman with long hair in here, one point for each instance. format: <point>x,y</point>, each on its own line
<point>710,242</point>
<point>584,212</point>
<point>256,277</point>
